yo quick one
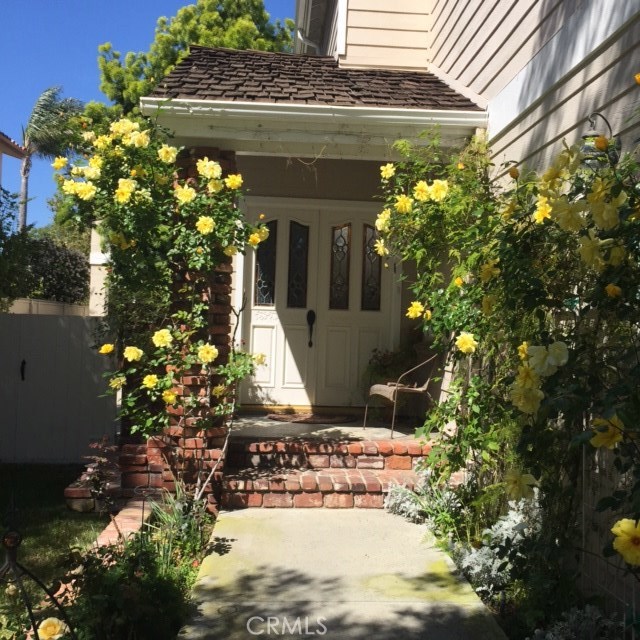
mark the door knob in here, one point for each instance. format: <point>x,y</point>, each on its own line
<point>311,318</point>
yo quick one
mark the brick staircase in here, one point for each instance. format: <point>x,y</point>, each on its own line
<point>317,472</point>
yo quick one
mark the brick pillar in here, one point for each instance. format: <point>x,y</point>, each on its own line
<point>185,448</point>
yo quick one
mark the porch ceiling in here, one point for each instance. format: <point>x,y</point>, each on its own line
<point>283,104</point>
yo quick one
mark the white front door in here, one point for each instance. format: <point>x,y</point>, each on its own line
<point>318,301</point>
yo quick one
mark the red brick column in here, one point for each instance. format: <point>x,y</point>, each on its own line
<point>185,449</point>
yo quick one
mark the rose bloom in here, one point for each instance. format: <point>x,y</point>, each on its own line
<point>439,190</point>
<point>162,338</point>
<point>52,629</point>
<point>126,187</point>
<point>230,251</point>
<point>207,353</point>
<point>415,310</point>
<point>387,171</point>
<point>382,221</point>
<point>263,232</point>
<point>169,396</point>
<point>133,353</point>
<point>526,399</point>
<point>59,163</point>
<point>466,342</point>
<point>606,433</point>
<point>260,359</point>
<point>543,210</point>
<point>167,154</point>
<point>489,270</point>
<point>381,248</point>
<point>86,190</point>
<point>613,290</point>
<point>403,204</point>
<point>117,383</point>
<point>627,542</point>
<point>209,169</point>
<point>213,186</point>
<point>233,181</point>
<point>422,191</point>
<point>140,139</point>
<point>218,391</point>
<point>106,348</point>
<point>150,381</point>
<point>254,240</point>
<point>205,225</point>
<point>123,127</point>
<point>427,314</point>
<point>519,485</point>
<point>522,350</point>
<point>185,194</point>
<point>458,281</point>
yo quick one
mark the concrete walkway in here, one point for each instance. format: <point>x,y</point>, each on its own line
<point>348,574</point>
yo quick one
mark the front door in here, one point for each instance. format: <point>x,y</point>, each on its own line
<point>318,301</point>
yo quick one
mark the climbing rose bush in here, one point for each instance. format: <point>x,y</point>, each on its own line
<point>165,234</point>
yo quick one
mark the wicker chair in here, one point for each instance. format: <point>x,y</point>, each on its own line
<point>391,390</point>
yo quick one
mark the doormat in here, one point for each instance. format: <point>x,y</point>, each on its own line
<point>310,418</point>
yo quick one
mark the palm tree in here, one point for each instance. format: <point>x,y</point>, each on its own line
<point>48,134</point>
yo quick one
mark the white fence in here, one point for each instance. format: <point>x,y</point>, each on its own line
<point>50,383</point>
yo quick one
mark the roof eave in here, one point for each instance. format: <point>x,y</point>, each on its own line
<point>306,129</point>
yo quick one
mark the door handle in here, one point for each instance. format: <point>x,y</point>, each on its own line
<point>311,318</point>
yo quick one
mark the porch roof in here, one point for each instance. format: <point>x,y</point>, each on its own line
<point>286,104</point>
<point>10,147</point>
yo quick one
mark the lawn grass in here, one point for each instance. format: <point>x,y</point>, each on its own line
<point>49,529</point>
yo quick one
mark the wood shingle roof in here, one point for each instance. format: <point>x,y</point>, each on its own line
<point>257,76</point>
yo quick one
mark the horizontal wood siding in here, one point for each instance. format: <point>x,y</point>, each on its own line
<point>387,35</point>
<point>483,45</point>
<point>605,84</point>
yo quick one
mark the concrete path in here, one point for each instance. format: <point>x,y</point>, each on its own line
<point>348,574</point>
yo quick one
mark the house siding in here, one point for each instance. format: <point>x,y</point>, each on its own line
<point>383,36</point>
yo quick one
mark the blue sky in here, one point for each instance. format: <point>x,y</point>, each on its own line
<point>48,43</point>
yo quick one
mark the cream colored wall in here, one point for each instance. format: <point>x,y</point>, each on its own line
<point>97,277</point>
<point>387,35</point>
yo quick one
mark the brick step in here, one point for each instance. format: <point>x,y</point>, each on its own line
<point>297,488</point>
<point>317,453</point>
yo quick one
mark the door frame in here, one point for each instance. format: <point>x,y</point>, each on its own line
<point>252,203</point>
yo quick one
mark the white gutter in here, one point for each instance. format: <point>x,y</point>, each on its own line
<point>377,116</point>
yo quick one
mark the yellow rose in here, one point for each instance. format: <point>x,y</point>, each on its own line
<point>133,353</point>
<point>96,162</point>
<point>606,432</point>
<point>260,359</point>
<point>382,221</point>
<point>69,187</point>
<point>207,353</point>
<point>52,629</point>
<point>117,382</point>
<point>421,191</point>
<point>169,396</point>
<point>162,338</point>
<point>106,348</point>
<point>263,232</point>
<point>439,190</point>
<point>522,350</point>
<point>218,391</point>
<point>59,163</point>
<point>526,399</point>
<point>613,290</point>
<point>208,169</point>
<point>150,381</point>
<point>126,187</point>
<point>233,181</point>
<point>460,166</point>
<point>489,270</point>
<point>185,194</point>
<point>403,204</point>
<point>230,251</point>
<point>91,173</point>
<point>427,314</point>
<point>102,142</point>
<point>205,225</point>
<point>387,171</point>
<point>458,281</point>
<point>415,310</point>
<point>488,303</point>
<point>381,248</point>
<point>86,190</point>
<point>89,136</point>
<point>167,154</point>
<point>466,342</point>
<point>140,139</point>
<point>254,240</point>
<point>519,485</point>
<point>123,127</point>
<point>543,210</point>
<point>627,540</point>
<point>213,186</point>
<point>527,377</point>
